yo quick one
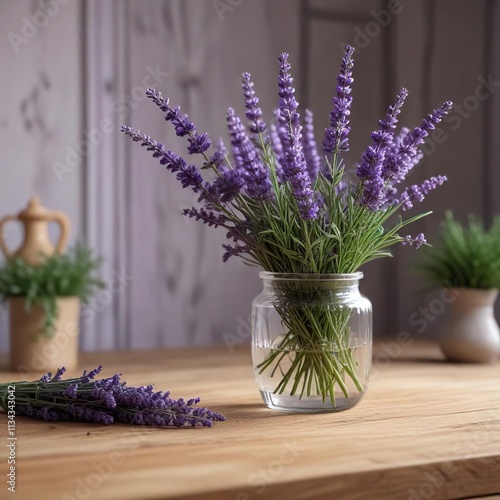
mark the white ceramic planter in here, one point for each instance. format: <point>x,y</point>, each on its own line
<point>472,334</point>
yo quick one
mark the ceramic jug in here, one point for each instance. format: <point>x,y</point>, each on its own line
<point>29,350</point>
<point>35,219</point>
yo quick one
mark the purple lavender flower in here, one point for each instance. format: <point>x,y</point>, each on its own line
<point>288,116</point>
<point>86,414</point>
<point>227,185</point>
<point>294,162</point>
<point>416,242</point>
<point>70,391</point>
<point>336,137</point>
<point>218,156</point>
<point>221,147</point>
<point>398,165</point>
<point>277,138</point>
<point>248,163</point>
<point>311,155</point>
<point>40,413</point>
<point>188,175</point>
<point>86,377</point>
<point>254,113</point>
<point>198,143</point>
<point>234,250</point>
<point>275,142</point>
<point>209,218</point>
<point>106,401</point>
<point>59,373</point>
<point>417,193</point>
<point>370,168</point>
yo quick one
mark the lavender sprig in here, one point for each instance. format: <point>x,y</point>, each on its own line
<point>254,113</point>
<point>310,148</point>
<point>417,193</point>
<point>188,175</point>
<point>294,167</point>
<point>399,164</point>
<point>248,163</point>
<point>336,136</point>
<point>104,401</point>
<point>416,242</point>
<point>370,169</point>
<point>198,143</point>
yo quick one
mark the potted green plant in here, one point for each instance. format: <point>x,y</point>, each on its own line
<point>467,259</point>
<point>44,303</point>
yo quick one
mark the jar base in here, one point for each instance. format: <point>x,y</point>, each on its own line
<point>292,404</point>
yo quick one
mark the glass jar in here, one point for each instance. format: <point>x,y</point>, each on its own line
<point>311,341</point>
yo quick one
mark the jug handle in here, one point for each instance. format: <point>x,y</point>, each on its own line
<point>8,254</point>
<point>63,221</point>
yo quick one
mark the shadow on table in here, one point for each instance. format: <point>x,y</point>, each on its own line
<point>250,410</point>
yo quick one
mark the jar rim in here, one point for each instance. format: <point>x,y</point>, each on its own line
<point>311,276</point>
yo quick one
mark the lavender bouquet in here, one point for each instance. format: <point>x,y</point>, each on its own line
<point>102,401</point>
<point>289,209</point>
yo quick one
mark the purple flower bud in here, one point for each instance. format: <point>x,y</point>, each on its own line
<point>336,137</point>
<point>370,169</point>
<point>70,391</point>
<point>294,162</point>
<point>254,113</point>
<point>209,218</point>
<point>248,163</point>
<point>312,157</point>
<point>198,144</point>
<point>417,193</point>
<point>227,185</point>
<point>416,242</point>
<point>188,175</point>
<point>398,163</point>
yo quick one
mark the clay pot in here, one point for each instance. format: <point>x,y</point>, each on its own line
<point>31,350</point>
<point>472,334</point>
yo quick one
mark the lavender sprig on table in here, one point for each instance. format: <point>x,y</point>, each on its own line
<point>104,401</point>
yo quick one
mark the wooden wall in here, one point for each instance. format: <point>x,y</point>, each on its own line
<point>83,74</point>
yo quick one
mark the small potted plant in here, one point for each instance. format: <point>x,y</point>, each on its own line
<point>44,302</point>
<point>467,259</point>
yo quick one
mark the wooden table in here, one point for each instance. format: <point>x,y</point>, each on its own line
<point>426,429</point>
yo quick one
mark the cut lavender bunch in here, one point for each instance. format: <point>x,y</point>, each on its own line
<point>103,401</point>
<point>291,209</point>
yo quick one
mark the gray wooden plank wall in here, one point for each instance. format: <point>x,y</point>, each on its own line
<point>83,73</point>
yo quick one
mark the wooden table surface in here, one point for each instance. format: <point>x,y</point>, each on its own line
<point>426,429</point>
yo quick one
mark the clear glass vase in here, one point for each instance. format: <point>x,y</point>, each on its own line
<point>311,341</point>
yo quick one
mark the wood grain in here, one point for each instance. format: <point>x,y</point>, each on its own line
<point>426,429</point>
